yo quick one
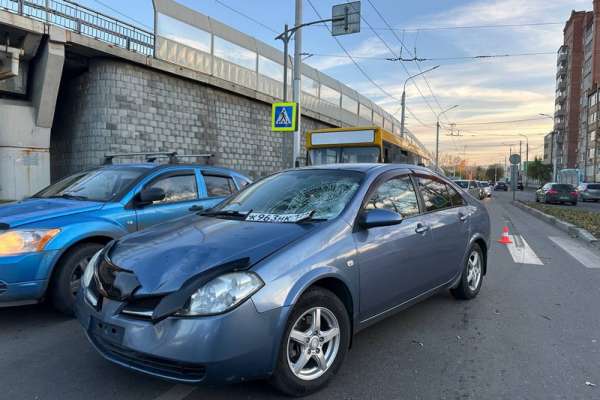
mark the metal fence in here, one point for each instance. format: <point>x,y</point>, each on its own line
<point>85,21</point>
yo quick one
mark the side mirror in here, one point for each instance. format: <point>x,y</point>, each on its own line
<point>378,217</point>
<point>148,196</point>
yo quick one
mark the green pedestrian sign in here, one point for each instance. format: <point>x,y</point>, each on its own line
<point>284,117</point>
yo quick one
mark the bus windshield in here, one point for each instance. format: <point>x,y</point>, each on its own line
<point>334,155</point>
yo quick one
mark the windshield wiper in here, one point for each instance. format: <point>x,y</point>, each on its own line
<point>309,218</point>
<point>68,196</point>
<point>225,213</point>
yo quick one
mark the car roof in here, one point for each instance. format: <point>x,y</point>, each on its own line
<point>158,167</point>
<point>367,167</point>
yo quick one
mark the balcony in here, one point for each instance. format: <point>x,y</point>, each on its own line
<point>562,58</point>
<point>561,71</point>
<point>561,96</point>
<point>559,112</point>
<point>561,84</point>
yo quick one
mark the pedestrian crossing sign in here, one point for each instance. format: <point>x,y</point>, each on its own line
<point>284,117</point>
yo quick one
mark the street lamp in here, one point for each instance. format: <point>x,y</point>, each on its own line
<point>403,102</point>
<point>526,157</point>
<point>551,147</point>
<point>437,135</point>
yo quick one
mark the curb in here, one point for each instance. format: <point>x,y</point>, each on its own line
<point>572,230</point>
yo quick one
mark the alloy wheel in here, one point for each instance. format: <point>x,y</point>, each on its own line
<point>313,343</point>
<point>474,270</point>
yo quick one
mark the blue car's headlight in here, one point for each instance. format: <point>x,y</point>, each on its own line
<point>21,241</point>
<point>222,294</point>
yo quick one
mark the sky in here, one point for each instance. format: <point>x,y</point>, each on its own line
<point>446,33</point>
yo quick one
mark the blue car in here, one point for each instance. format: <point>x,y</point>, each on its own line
<point>274,282</point>
<point>47,240</point>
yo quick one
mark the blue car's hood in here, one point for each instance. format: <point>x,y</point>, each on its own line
<point>166,256</point>
<point>36,210</point>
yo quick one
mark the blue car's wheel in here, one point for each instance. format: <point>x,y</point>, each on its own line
<point>67,277</point>
<point>314,344</point>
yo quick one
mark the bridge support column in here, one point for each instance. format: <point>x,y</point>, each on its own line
<point>25,127</point>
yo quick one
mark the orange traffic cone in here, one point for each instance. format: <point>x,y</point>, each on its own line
<point>504,239</point>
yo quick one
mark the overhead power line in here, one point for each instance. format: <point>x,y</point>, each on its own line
<point>490,26</point>
<point>267,27</point>
<point>362,71</point>
<point>476,57</point>
<point>501,122</point>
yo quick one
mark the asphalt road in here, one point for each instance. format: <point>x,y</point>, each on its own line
<point>533,333</point>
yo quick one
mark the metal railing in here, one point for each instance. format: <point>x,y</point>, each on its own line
<point>85,21</point>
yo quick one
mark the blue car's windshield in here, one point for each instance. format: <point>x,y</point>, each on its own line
<point>96,185</point>
<point>321,193</point>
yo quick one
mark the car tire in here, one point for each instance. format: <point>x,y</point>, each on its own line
<point>470,285</point>
<point>67,275</point>
<point>332,311</point>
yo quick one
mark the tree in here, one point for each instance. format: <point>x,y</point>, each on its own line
<point>494,172</point>
<point>539,171</point>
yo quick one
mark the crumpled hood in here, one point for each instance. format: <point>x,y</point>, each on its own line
<point>30,211</point>
<point>164,257</point>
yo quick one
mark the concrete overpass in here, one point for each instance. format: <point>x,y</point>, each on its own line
<point>78,84</point>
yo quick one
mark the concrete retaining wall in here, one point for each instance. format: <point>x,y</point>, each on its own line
<point>118,107</point>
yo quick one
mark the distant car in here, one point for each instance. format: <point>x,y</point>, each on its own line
<point>471,187</point>
<point>501,186</point>
<point>556,193</point>
<point>487,189</point>
<point>589,191</point>
<point>274,282</point>
<point>47,240</point>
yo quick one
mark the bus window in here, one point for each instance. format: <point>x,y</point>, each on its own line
<point>324,156</point>
<point>360,155</point>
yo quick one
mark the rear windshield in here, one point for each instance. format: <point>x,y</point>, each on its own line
<point>484,184</point>
<point>462,184</point>
<point>563,187</point>
<point>594,186</point>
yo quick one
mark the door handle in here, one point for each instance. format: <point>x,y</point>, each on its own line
<point>421,228</point>
<point>196,208</point>
<point>463,217</point>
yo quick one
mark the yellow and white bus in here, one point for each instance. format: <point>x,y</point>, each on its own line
<point>369,144</point>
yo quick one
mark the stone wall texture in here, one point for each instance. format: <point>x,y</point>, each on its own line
<point>118,107</point>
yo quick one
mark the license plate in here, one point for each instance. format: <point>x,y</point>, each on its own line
<point>106,331</point>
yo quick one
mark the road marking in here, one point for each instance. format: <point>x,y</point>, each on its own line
<point>578,251</point>
<point>521,252</point>
<point>177,392</point>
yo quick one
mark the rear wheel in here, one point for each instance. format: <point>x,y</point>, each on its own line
<point>67,278</point>
<point>314,344</point>
<point>472,275</point>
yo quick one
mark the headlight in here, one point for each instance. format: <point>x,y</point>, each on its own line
<point>222,294</point>
<point>25,241</point>
<point>89,270</point>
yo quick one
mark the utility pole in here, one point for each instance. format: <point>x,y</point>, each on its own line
<point>437,135</point>
<point>297,83</point>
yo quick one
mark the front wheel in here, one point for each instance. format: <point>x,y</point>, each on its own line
<point>67,278</point>
<point>472,275</point>
<point>314,344</point>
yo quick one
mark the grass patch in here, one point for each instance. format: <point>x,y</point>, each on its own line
<point>588,220</point>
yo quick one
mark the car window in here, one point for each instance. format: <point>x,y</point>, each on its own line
<point>219,186</point>
<point>462,184</point>
<point>435,194</point>
<point>241,182</point>
<point>455,197</point>
<point>398,195</point>
<point>593,186</point>
<point>101,184</point>
<point>177,188</point>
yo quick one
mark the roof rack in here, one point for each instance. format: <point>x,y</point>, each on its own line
<point>153,156</point>
<point>172,155</point>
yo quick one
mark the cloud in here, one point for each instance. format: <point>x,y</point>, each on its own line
<point>371,47</point>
